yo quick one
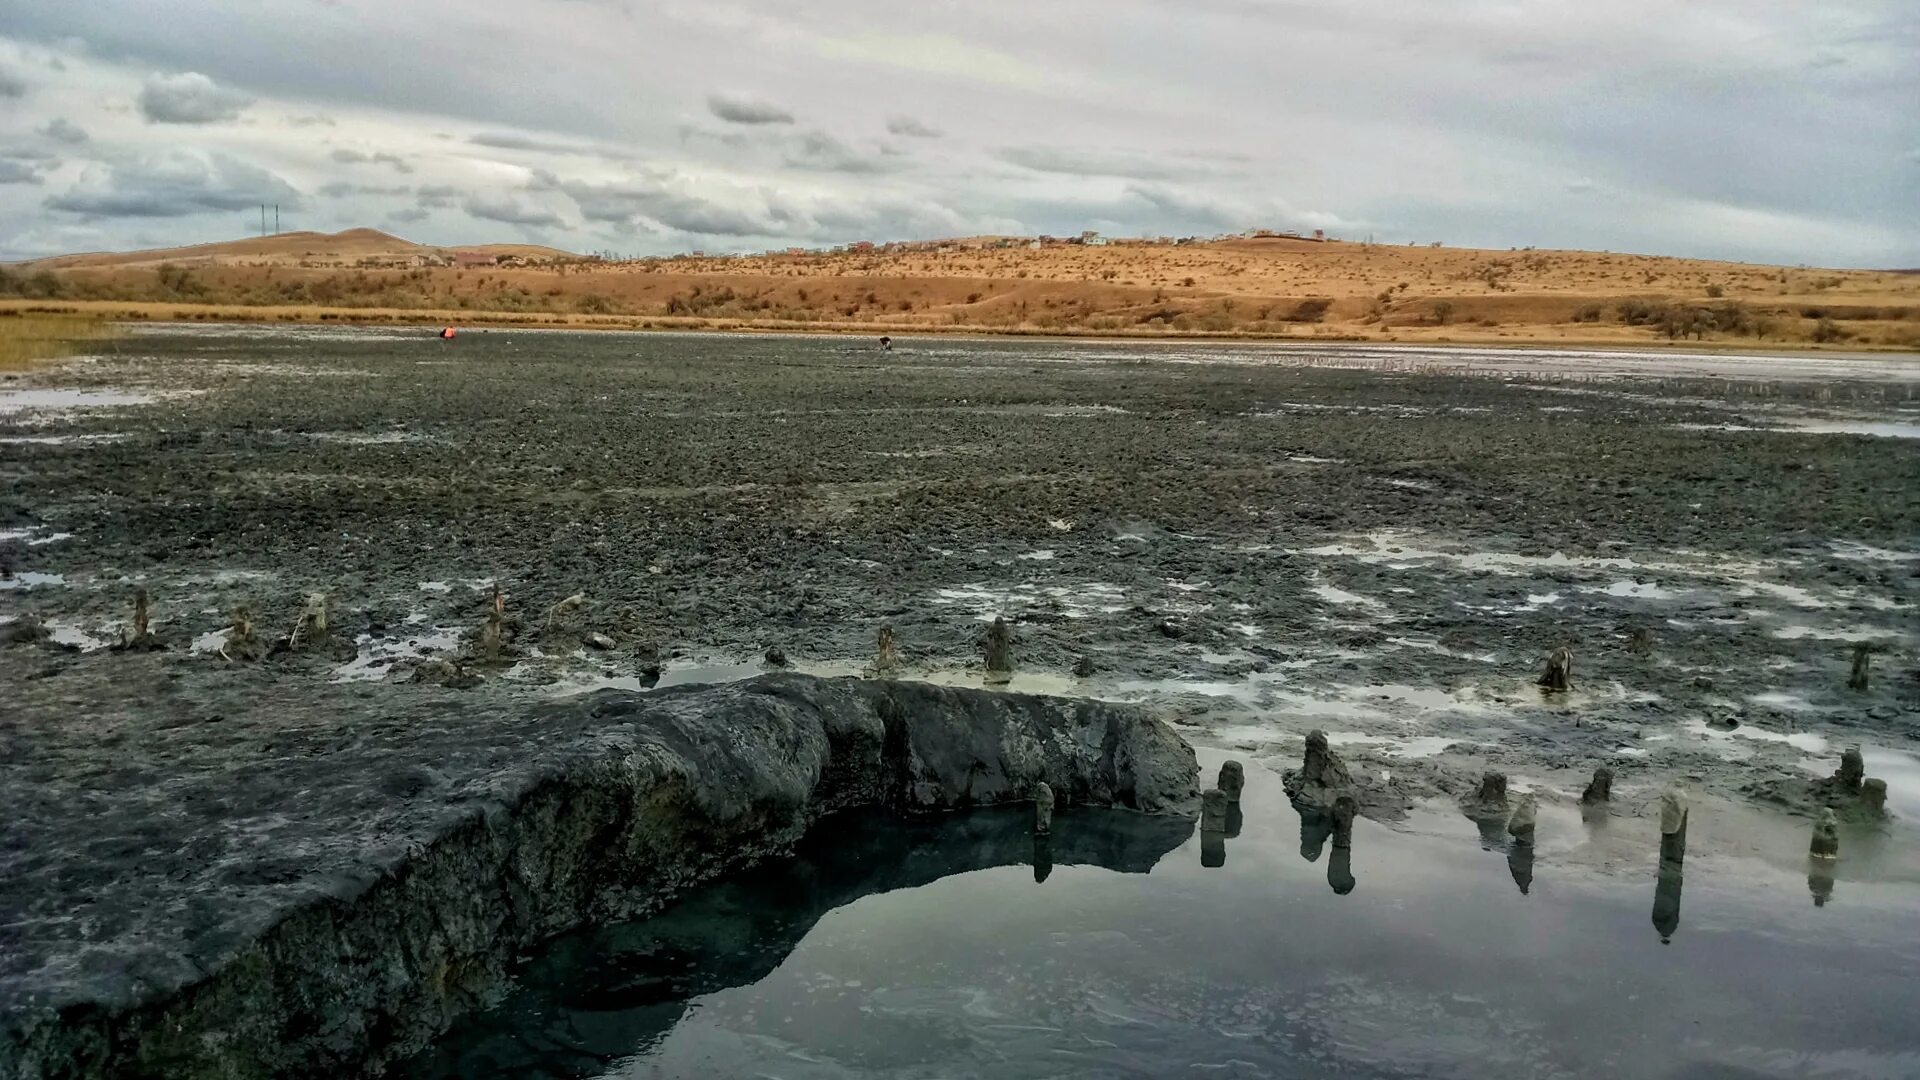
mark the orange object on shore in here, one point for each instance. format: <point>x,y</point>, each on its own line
<point>446,333</point>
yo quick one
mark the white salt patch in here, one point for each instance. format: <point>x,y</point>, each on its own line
<point>1792,594</point>
<point>1778,700</point>
<point>28,579</point>
<point>1820,633</point>
<point>1333,595</point>
<point>211,641</point>
<point>1074,601</point>
<point>31,536</point>
<point>1882,429</point>
<point>60,440</point>
<point>362,438</point>
<point>13,401</point>
<point>377,656</point>
<point>1848,549</point>
<point>1633,590</point>
<point>1043,555</point>
<point>1060,525</point>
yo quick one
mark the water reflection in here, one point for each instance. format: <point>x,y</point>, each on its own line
<point>1520,864</point>
<point>1820,879</point>
<point>1666,900</point>
<point>593,998</point>
<point>1673,852</point>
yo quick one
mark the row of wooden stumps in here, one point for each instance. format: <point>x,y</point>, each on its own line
<point>242,641</point>
<point>1558,676</point>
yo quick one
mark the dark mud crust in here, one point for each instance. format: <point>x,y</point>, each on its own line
<point>345,903</point>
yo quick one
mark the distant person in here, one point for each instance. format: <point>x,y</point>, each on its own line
<point>446,333</point>
<point>886,342</point>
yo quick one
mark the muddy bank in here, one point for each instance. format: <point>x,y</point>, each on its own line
<point>304,886</point>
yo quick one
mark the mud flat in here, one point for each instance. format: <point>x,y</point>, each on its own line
<point>310,884</point>
<point>1250,543</point>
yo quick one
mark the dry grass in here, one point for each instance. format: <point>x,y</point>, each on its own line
<point>1270,288</point>
<point>27,336</point>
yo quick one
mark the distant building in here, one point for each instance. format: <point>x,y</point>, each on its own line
<point>474,258</point>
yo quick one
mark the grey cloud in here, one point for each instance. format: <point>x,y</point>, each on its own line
<point>189,98</point>
<point>11,85</point>
<point>670,200</point>
<point>910,128</point>
<point>410,215</point>
<point>821,151</point>
<point>340,189</point>
<point>1072,162</point>
<point>17,172</point>
<point>505,208</point>
<point>347,156</point>
<point>60,129</point>
<point>1382,112</point>
<point>174,184</point>
<point>311,120</point>
<point>436,195</point>
<point>507,140</point>
<point>746,110</point>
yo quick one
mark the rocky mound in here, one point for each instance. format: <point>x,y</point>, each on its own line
<point>291,893</point>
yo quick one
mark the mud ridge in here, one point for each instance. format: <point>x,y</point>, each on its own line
<point>650,795</point>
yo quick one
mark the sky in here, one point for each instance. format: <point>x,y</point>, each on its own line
<point>1778,131</point>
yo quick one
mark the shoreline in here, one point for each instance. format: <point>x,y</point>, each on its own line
<point>153,312</point>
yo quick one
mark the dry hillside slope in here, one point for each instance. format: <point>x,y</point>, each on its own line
<point>1266,287</point>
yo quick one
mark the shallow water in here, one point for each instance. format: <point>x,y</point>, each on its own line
<point>1131,946</point>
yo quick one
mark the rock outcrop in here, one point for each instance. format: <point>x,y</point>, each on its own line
<point>304,894</point>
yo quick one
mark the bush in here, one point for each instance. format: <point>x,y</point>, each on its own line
<point>1310,310</point>
<point>1716,291</point>
<point>1442,311</point>
<point>1826,331</point>
<point>1642,313</point>
<point>1587,313</point>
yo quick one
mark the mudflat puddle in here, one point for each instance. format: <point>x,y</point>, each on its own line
<point>959,946</point>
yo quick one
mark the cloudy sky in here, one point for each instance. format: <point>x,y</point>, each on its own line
<point>1777,130</point>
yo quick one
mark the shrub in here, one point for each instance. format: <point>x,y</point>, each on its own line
<point>1587,313</point>
<point>1310,310</point>
<point>1442,311</point>
<point>1716,291</point>
<point>1827,331</point>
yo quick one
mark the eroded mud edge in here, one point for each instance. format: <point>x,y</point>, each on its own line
<point>666,791</point>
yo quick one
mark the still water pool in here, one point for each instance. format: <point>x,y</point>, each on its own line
<point>958,947</point>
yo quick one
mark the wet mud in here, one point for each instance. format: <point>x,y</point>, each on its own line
<point>1256,547</point>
